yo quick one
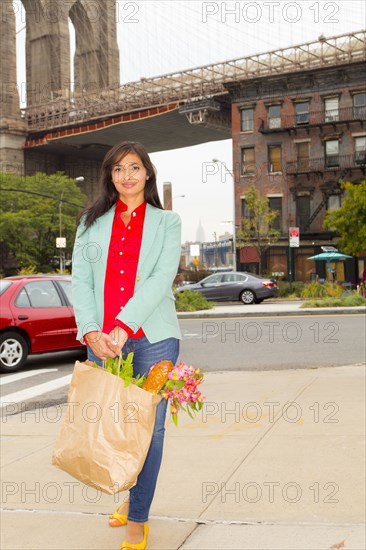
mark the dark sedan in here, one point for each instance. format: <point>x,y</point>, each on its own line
<point>231,286</point>
<point>36,317</point>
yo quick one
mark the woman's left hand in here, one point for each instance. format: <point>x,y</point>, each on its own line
<point>119,337</point>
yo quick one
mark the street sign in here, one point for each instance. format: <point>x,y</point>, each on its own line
<point>60,242</point>
<point>294,236</point>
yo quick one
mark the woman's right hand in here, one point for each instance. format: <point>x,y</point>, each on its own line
<point>101,344</point>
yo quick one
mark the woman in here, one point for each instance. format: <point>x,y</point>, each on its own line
<point>125,258</point>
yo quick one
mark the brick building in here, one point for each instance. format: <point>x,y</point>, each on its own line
<point>295,136</point>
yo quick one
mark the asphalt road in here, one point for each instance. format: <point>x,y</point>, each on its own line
<point>272,343</point>
<point>255,343</point>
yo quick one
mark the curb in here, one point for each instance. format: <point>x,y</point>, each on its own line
<point>318,311</point>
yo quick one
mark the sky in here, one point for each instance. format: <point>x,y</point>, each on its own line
<point>157,37</point>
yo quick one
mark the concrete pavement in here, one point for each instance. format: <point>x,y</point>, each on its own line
<point>267,308</point>
<point>275,461</point>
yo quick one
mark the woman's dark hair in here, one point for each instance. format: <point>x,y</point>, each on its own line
<point>108,194</point>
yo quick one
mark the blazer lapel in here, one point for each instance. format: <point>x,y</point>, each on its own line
<point>152,220</point>
<point>104,233</point>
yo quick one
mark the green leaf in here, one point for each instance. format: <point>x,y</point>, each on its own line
<point>190,412</point>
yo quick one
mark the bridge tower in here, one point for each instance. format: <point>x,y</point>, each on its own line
<point>96,62</point>
<point>12,126</point>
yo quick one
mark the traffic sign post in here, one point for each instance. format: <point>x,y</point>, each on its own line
<point>61,244</point>
<point>293,242</point>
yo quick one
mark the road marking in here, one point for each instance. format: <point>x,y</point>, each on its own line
<point>20,375</point>
<point>28,393</point>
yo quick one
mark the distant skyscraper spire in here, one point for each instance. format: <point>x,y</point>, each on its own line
<point>200,234</point>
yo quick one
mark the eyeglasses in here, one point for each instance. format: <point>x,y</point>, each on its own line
<point>130,168</point>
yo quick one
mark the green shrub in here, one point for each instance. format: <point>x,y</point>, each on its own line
<point>334,290</point>
<point>319,290</point>
<point>192,301</point>
<point>29,270</point>
<point>284,289</point>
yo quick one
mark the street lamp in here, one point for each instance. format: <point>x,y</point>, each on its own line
<point>177,197</point>
<point>218,161</point>
<point>232,222</point>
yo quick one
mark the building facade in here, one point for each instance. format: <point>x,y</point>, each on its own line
<point>295,137</point>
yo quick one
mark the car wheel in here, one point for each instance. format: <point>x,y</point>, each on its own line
<point>247,297</point>
<point>13,351</point>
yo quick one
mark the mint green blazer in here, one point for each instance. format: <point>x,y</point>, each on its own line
<point>152,306</point>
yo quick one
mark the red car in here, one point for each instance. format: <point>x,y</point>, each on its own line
<point>36,317</point>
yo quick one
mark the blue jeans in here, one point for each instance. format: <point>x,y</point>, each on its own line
<point>145,355</point>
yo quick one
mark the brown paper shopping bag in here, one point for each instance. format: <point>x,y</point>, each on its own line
<point>107,430</point>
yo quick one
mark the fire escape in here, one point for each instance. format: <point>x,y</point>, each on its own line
<point>333,166</point>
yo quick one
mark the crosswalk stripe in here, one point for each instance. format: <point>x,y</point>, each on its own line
<point>20,375</point>
<point>28,393</point>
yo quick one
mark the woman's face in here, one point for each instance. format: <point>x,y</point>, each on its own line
<point>129,177</point>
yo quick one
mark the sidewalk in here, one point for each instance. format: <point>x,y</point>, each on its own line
<point>268,308</point>
<point>246,474</point>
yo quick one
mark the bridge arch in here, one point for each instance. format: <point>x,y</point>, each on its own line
<point>86,58</point>
<point>47,51</point>
<point>96,62</point>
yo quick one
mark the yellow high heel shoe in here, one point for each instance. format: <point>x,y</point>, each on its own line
<point>138,545</point>
<point>116,519</point>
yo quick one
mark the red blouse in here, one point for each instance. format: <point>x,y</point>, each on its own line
<point>122,261</point>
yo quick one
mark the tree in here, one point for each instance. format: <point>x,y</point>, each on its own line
<point>30,220</point>
<point>257,228</point>
<point>350,220</point>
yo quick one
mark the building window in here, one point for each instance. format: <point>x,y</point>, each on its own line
<point>245,212</point>
<point>331,109</point>
<point>360,150</point>
<point>275,203</point>
<point>274,158</point>
<point>247,120</point>
<point>303,156</point>
<point>274,116</point>
<point>302,112</point>
<point>359,105</point>
<point>332,153</point>
<point>302,211</point>
<point>334,202</point>
<point>248,161</point>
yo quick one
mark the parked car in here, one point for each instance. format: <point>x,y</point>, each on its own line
<point>36,316</point>
<point>246,287</point>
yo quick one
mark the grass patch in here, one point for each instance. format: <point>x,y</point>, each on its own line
<point>348,301</point>
<point>191,301</point>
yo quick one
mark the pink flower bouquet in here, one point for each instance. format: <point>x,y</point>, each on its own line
<point>181,389</point>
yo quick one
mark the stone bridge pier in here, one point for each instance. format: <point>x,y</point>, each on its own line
<point>47,73</point>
